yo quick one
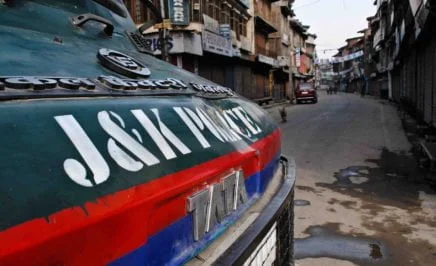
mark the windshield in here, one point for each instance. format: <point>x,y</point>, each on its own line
<point>306,86</point>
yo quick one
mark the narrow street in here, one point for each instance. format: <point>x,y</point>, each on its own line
<point>360,198</point>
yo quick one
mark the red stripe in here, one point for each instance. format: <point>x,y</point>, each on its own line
<point>116,224</point>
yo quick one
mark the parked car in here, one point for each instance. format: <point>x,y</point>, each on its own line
<point>306,92</point>
<point>112,156</point>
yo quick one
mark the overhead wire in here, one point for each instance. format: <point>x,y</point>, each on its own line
<point>308,4</point>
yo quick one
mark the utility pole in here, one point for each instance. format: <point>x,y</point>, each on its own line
<point>160,19</point>
<point>163,33</point>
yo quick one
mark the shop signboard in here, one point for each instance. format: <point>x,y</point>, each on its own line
<point>179,12</point>
<point>297,57</point>
<point>178,43</point>
<point>267,60</point>
<point>236,52</point>
<point>211,24</point>
<point>246,44</point>
<point>217,44</point>
<point>285,39</point>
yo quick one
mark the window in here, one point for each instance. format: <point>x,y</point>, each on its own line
<point>195,10</point>
<point>138,11</point>
<point>235,23</point>
<point>210,9</point>
<point>214,9</point>
<point>225,14</point>
<point>243,26</point>
<point>216,14</point>
<point>203,8</point>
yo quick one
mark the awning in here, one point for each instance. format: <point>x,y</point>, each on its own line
<point>299,76</point>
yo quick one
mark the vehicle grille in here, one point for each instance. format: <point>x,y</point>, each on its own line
<point>285,233</point>
<point>140,42</point>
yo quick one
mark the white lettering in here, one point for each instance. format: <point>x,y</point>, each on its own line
<point>242,114</point>
<point>159,137</point>
<point>188,122</point>
<point>208,123</point>
<point>227,115</point>
<point>92,157</point>
<point>121,158</point>
<point>231,133</point>
<point>126,147</point>
<point>178,11</point>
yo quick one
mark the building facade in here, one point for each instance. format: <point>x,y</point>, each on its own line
<point>245,45</point>
<point>300,63</point>
<point>399,58</point>
<point>349,65</point>
<point>410,47</point>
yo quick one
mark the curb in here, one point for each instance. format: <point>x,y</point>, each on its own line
<point>275,105</point>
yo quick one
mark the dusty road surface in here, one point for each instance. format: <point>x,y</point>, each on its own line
<point>360,198</point>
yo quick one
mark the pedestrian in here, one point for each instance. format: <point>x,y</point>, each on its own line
<point>362,90</point>
<point>283,114</point>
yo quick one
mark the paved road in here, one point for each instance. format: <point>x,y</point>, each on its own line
<point>360,199</point>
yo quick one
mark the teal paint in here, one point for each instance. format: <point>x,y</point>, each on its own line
<point>37,39</point>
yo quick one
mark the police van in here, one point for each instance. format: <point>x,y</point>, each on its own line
<point>111,156</point>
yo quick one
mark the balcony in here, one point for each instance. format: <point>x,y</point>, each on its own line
<point>264,25</point>
<point>375,23</point>
<point>378,37</point>
<point>286,8</point>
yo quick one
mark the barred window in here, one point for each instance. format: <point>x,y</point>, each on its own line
<point>203,8</point>
<point>225,14</point>
<point>214,9</point>
<point>236,23</point>
<point>195,10</point>
<point>243,26</point>
<point>138,11</point>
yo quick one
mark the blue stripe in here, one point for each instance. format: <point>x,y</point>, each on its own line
<point>175,244</point>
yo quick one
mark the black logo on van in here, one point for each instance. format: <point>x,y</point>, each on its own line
<point>122,64</point>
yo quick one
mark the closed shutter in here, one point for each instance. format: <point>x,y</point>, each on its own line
<point>427,83</point>
<point>411,73</point>
<point>396,90</point>
<point>433,75</point>
<point>204,69</point>
<point>260,85</point>
<point>419,82</point>
<point>229,74</point>
<point>249,86</point>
